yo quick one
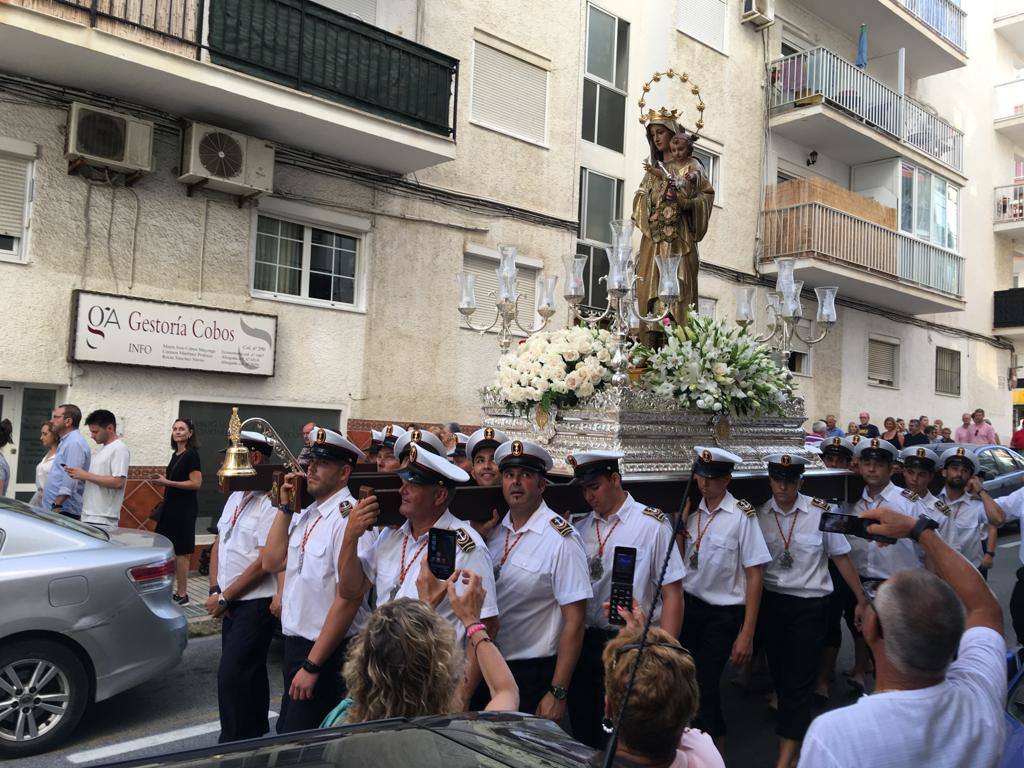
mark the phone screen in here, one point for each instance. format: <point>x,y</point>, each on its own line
<point>852,525</point>
<point>441,552</point>
<point>623,565</point>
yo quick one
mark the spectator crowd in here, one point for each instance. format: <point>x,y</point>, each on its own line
<point>974,429</point>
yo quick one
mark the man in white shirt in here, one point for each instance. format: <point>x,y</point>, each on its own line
<point>964,508</point>
<point>617,520</point>
<point>1012,507</point>
<point>107,474</point>
<point>240,591</point>
<point>723,551</point>
<point>542,581</point>
<point>927,709</point>
<point>316,620</point>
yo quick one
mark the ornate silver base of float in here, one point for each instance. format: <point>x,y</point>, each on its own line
<point>655,433</point>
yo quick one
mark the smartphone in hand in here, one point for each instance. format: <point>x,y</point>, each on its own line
<point>852,525</point>
<point>441,553</point>
<point>623,569</point>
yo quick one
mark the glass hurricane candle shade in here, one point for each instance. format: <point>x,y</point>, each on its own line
<point>546,293</point>
<point>745,304</point>
<point>619,277</point>
<point>507,285</point>
<point>507,262</point>
<point>784,277</point>
<point>668,277</point>
<point>575,287</point>
<point>467,292</point>
<point>791,305</point>
<point>622,233</point>
<point>826,303</point>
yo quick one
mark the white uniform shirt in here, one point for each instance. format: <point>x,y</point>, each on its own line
<point>308,594</point>
<point>1013,507</point>
<point>239,544</point>
<point>545,569</point>
<point>382,564</point>
<point>630,526</point>
<point>957,723</point>
<point>810,548</point>
<point>962,524</point>
<point>732,541</point>
<point>874,561</point>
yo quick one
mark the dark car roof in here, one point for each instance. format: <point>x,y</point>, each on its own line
<point>445,741</point>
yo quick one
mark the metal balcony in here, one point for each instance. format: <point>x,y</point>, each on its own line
<point>1008,313</point>
<point>1008,209</point>
<point>822,91</point>
<point>869,262</point>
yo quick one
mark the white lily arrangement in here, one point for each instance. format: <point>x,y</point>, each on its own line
<point>554,368</point>
<point>714,369</point>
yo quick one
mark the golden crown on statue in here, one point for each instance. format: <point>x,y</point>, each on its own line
<point>663,114</point>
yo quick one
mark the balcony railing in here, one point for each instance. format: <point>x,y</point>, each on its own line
<point>817,231</point>
<point>305,46</point>
<point>1009,204</point>
<point>946,18</point>
<point>1008,308</point>
<point>801,77</point>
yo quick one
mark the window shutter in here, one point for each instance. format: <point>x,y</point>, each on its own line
<point>881,362</point>
<point>13,178</point>
<point>947,371</point>
<point>703,20</point>
<point>487,281</point>
<point>364,10</point>
<point>509,94</point>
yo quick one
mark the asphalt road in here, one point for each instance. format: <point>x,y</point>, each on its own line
<point>179,711</point>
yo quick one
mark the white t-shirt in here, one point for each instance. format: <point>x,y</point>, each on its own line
<point>100,505</point>
<point>957,723</point>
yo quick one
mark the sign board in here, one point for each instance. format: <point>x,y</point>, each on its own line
<point>127,331</point>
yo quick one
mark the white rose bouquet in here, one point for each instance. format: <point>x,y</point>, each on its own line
<point>554,368</point>
<point>715,369</point>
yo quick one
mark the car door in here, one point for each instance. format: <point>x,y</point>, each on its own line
<point>1014,479</point>
<point>1006,472</point>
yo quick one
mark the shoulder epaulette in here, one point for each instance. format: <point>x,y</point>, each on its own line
<point>821,504</point>
<point>560,525</point>
<point>907,493</point>
<point>656,513</point>
<point>464,540</point>
<point>943,507</point>
<point>345,508</point>
<point>745,507</point>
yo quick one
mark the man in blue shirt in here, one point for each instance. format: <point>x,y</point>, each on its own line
<point>63,494</point>
<point>832,430</point>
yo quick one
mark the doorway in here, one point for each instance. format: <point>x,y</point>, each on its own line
<point>27,406</point>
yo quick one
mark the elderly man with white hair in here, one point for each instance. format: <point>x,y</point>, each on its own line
<point>818,432</point>
<point>927,709</point>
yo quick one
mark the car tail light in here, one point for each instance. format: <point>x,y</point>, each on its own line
<point>152,577</point>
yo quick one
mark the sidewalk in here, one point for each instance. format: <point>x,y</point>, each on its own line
<point>200,623</point>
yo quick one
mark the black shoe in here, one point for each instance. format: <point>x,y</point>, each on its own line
<point>180,599</point>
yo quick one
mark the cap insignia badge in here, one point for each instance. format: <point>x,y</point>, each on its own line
<point>920,453</point>
<point>875,442</point>
<point>389,430</point>
<point>960,452</point>
<point>321,437</point>
<point>488,433</point>
<point>412,453</point>
<point>705,455</point>
<point>416,436</point>
<point>571,461</point>
<point>517,448</point>
<point>786,459</point>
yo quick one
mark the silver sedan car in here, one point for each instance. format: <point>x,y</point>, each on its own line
<point>84,614</point>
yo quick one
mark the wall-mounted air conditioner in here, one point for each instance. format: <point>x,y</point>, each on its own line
<point>758,12</point>
<point>226,161</point>
<point>106,139</point>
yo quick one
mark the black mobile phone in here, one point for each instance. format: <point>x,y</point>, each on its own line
<point>441,552</point>
<point>623,568</point>
<point>852,525</point>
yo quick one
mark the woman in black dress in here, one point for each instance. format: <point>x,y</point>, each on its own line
<point>178,518</point>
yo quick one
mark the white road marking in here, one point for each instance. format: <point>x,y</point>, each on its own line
<point>144,742</point>
<point>1009,544</point>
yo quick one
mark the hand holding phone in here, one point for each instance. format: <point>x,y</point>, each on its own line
<point>851,525</point>
<point>623,568</point>
<point>441,552</point>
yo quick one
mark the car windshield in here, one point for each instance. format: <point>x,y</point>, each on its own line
<point>21,508</point>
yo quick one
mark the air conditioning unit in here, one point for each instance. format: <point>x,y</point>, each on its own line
<point>226,161</point>
<point>107,139</point>
<point>758,12</point>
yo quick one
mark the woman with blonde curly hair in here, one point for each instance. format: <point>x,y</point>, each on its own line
<point>406,663</point>
<point>663,701</point>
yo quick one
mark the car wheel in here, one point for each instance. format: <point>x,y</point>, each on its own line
<point>43,692</point>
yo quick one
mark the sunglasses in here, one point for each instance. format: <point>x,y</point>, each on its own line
<point>636,646</point>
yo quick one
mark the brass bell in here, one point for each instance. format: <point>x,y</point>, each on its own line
<point>236,458</point>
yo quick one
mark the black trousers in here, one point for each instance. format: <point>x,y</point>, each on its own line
<point>533,676</point>
<point>243,689</point>
<point>328,691</point>
<point>793,631</point>
<point>709,632</point>
<point>840,605</point>
<point>1017,606</point>
<point>586,694</point>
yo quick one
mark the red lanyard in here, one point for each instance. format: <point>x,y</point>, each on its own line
<point>404,569</point>
<point>246,498</point>
<point>508,549</point>
<point>597,530</point>
<point>701,532</point>
<point>792,527</point>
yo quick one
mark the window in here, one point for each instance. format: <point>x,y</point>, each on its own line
<point>929,207</point>
<point>883,363</point>
<point>947,371</point>
<point>305,262</point>
<point>510,95</point>
<point>604,84</point>
<point>15,187</point>
<point>800,354</point>
<point>1004,461</point>
<point>600,203</point>
<point>487,281</point>
<point>703,20</point>
<point>711,161</point>
<point>364,10</point>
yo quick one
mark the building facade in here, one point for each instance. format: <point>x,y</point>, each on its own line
<point>381,147</point>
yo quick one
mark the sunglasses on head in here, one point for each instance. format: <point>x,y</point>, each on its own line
<point>636,646</point>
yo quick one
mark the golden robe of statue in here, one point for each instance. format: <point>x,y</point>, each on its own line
<point>671,209</point>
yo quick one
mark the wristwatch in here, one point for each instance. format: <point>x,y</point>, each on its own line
<point>221,601</point>
<point>214,590</point>
<point>558,692</point>
<point>924,523</point>
<point>309,666</point>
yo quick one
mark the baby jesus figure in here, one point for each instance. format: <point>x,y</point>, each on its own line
<point>679,187</point>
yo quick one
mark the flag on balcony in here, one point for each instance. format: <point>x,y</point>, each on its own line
<point>862,47</point>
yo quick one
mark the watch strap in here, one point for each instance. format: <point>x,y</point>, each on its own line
<point>558,692</point>
<point>309,666</point>
<point>923,524</point>
<point>214,590</point>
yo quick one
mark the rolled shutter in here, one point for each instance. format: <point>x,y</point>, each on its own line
<point>487,282</point>
<point>509,94</point>
<point>881,362</point>
<point>703,20</point>
<point>13,184</point>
